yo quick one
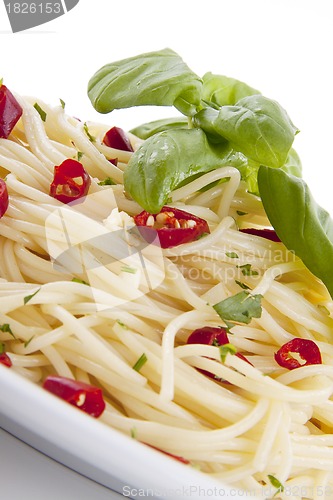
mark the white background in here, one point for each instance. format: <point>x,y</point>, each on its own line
<point>281,47</point>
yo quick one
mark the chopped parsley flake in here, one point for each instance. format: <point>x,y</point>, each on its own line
<point>90,137</point>
<point>79,155</point>
<point>28,341</point>
<point>241,307</point>
<point>78,280</point>
<point>41,112</point>
<point>232,255</point>
<point>107,182</point>
<point>242,285</point>
<point>226,349</point>
<point>29,297</point>
<point>247,271</point>
<point>134,433</point>
<point>140,362</point>
<point>6,329</point>
<point>239,212</point>
<point>121,324</point>
<point>128,269</point>
<point>276,483</point>
<point>62,103</point>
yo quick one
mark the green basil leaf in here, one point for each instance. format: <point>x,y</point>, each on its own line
<point>241,307</point>
<point>155,78</point>
<point>223,90</point>
<point>257,126</point>
<point>293,164</point>
<point>170,158</point>
<point>302,225</point>
<point>148,129</point>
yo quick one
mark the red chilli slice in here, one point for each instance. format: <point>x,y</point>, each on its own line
<point>70,182</point>
<point>117,138</point>
<point>10,112</point>
<point>269,234</point>
<point>5,360</point>
<point>84,396</point>
<point>209,335</point>
<point>305,348</point>
<point>171,226</point>
<point>175,457</point>
<point>4,201</point>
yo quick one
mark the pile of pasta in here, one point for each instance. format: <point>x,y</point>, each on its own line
<point>83,298</point>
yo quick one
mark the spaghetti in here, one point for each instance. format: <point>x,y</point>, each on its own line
<point>84,297</point>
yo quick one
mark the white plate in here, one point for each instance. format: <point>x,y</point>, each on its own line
<point>98,452</point>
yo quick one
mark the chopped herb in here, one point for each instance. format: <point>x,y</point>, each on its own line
<point>6,329</point>
<point>2,348</point>
<point>323,309</point>
<point>226,349</point>
<point>78,280</point>
<point>107,182</point>
<point>28,341</point>
<point>121,324</point>
<point>232,255</point>
<point>242,285</point>
<point>79,155</point>
<point>1,81</point>
<point>247,271</point>
<point>41,112</point>
<point>276,483</point>
<point>90,137</point>
<point>29,297</point>
<point>239,212</point>
<point>134,433</point>
<point>140,362</point>
<point>62,103</point>
<point>128,269</point>
<point>241,307</point>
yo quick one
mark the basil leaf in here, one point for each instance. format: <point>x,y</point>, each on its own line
<point>293,164</point>
<point>241,307</point>
<point>301,224</point>
<point>223,90</point>
<point>148,129</point>
<point>257,126</point>
<point>154,78</point>
<point>170,158</point>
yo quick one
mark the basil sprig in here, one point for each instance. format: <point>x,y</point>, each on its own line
<point>228,111</point>
<point>303,226</point>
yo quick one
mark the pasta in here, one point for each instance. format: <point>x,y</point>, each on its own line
<point>84,297</point>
